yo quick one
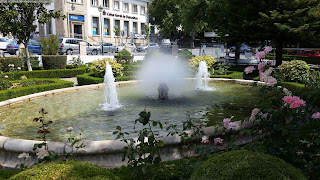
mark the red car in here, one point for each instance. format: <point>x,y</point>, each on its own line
<point>309,53</point>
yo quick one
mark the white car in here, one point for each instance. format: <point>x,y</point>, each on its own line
<point>121,47</point>
<point>3,43</point>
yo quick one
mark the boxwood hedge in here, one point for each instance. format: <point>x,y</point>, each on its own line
<point>233,75</point>
<point>88,78</point>
<point>244,164</point>
<point>54,61</point>
<point>17,61</point>
<point>286,57</point>
<point>57,73</point>
<point>13,93</point>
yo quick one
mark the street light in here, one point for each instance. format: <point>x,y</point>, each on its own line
<point>100,8</point>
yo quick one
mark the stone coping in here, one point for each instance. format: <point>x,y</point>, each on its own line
<point>11,148</point>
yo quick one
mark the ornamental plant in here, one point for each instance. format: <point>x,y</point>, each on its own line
<point>99,67</point>
<point>295,71</point>
<point>194,62</point>
<point>124,56</point>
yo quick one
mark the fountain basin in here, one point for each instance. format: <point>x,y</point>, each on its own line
<point>104,153</point>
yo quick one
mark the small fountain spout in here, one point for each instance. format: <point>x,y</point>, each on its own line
<point>203,77</point>
<point>163,91</point>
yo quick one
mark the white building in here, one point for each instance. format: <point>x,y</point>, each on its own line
<point>83,20</point>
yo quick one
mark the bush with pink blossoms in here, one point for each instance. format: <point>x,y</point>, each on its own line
<point>249,69</point>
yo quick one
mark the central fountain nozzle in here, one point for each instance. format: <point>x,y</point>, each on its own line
<point>163,91</point>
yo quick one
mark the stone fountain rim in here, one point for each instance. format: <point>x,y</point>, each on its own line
<point>98,147</point>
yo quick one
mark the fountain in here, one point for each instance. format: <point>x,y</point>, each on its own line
<point>111,101</point>
<point>202,77</point>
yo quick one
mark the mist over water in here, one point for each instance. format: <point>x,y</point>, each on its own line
<point>164,69</point>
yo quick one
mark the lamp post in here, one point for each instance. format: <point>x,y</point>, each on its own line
<point>100,8</point>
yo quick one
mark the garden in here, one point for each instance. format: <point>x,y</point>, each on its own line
<point>281,142</point>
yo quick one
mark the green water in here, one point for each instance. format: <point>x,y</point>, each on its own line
<point>81,110</point>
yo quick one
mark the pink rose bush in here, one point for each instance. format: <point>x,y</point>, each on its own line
<point>229,125</point>
<point>316,115</point>
<point>205,140</point>
<point>294,101</point>
<point>249,69</point>
<point>218,141</point>
<point>260,55</point>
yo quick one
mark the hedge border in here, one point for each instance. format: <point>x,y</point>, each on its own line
<point>87,79</point>
<point>57,73</point>
<point>18,92</point>
<point>286,57</point>
<point>233,75</point>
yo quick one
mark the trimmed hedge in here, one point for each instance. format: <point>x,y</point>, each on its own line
<point>13,93</point>
<point>286,57</point>
<point>88,78</point>
<point>66,170</point>
<point>6,174</point>
<point>17,61</point>
<point>233,75</point>
<point>244,164</point>
<point>54,62</point>
<point>58,73</point>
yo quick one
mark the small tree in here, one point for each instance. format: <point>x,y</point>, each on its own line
<point>147,30</point>
<point>50,46</point>
<point>20,19</point>
<point>116,32</point>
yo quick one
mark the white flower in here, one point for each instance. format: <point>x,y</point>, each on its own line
<point>70,128</point>
<point>24,156</point>
<point>19,68</point>
<point>6,76</point>
<point>42,154</point>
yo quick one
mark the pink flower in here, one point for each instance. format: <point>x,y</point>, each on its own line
<point>269,71</point>
<point>272,81</point>
<point>252,117</point>
<point>6,76</point>
<point>268,49</point>
<point>263,77</point>
<point>290,99</point>
<point>260,55</point>
<point>218,140</point>
<point>316,115</point>
<point>297,104</point>
<point>255,111</point>
<point>249,69</point>
<point>226,121</point>
<point>232,125</point>
<point>261,66</point>
<point>205,140</point>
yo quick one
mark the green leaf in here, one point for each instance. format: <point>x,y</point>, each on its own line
<point>154,123</point>
<point>115,132</point>
<point>118,128</point>
<point>160,143</point>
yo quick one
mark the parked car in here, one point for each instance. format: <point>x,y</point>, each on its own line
<point>243,48</point>
<point>33,46</point>
<point>93,49</point>
<point>69,45</point>
<point>166,49</point>
<point>308,53</point>
<point>109,48</point>
<point>147,47</point>
<point>3,43</point>
<point>121,47</point>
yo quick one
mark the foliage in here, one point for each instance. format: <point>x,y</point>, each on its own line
<point>13,93</point>
<point>221,68</point>
<point>123,56</point>
<point>4,84</point>
<point>6,174</point>
<point>232,75</point>
<point>185,54</point>
<point>194,62</point>
<point>99,67</point>
<point>34,60</point>
<point>66,170</point>
<point>76,62</point>
<point>130,69</point>
<point>88,78</point>
<point>144,150</point>
<point>287,57</point>
<point>20,20</point>
<point>295,70</point>
<point>54,62</point>
<point>312,79</point>
<point>147,31</point>
<point>50,46</point>
<point>151,54</point>
<point>246,165</point>
<point>16,61</point>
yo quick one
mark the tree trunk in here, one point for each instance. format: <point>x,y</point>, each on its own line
<point>279,53</point>
<point>26,50</point>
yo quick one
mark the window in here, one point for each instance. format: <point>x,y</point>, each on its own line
<point>143,10</point>
<point>134,28</point>
<point>106,27</point>
<point>95,26</point>
<point>49,27</point>
<point>105,3</point>
<point>126,28</point>
<point>94,2</point>
<point>126,7</point>
<point>116,5</point>
<point>117,25</point>
<point>142,28</point>
<point>134,8</point>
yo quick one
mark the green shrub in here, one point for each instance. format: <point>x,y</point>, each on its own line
<point>58,73</point>
<point>66,170</point>
<point>124,56</point>
<point>13,93</point>
<point>286,57</point>
<point>4,84</point>
<point>75,62</point>
<point>99,67</point>
<point>185,54</point>
<point>54,62</point>
<point>34,60</point>
<point>130,69</point>
<point>88,78</point>
<point>6,174</point>
<point>17,61</point>
<point>294,71</point>
<point>50,45</point>
<point>194,62</point>
<point>232,75</point>
<point>246,165</point>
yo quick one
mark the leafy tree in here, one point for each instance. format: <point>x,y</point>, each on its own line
<point>116,32</point>
<point>147,31</point>
<point>20,20</point>
<point>50,46</point>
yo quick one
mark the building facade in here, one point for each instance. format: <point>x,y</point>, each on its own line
<point>83,20</point>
